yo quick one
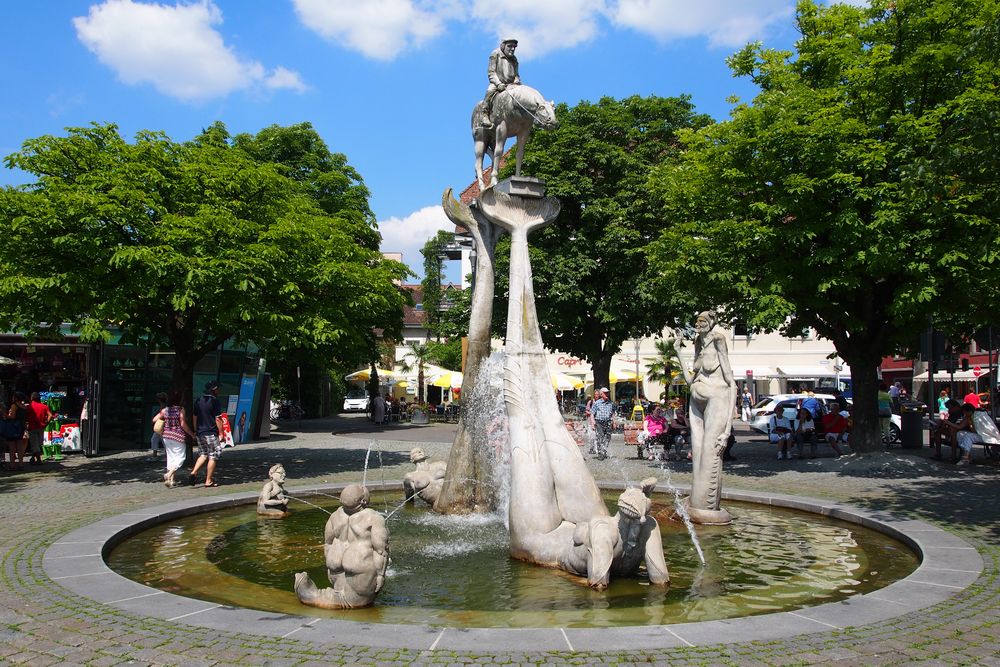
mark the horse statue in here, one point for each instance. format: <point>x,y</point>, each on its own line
<point>516,110</point>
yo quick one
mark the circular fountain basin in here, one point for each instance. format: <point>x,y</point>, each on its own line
<point>456,570</point>
<point>452,586</point>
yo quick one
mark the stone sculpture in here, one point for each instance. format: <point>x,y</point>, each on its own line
<point>515,112</point>
<point>510,109</point>
<point>426,481</point>
<point>357,555</point>
<point>713,395</point>
<point>272,500</point>
<point>619,544</point>
<point>468,486</point>
<point>557,516</point>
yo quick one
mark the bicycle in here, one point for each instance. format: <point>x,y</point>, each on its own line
<point>287,410</point>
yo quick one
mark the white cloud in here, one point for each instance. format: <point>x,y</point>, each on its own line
<point>726,23</point>
<point>541,26</point>
<point>408,235</point>
<point>379,29</point>
<point>284,78</point>
<point>174,48</point>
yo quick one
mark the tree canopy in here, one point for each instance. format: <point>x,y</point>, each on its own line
<point>593,283</point>
<point>857,193</point>
<point>185,245</point>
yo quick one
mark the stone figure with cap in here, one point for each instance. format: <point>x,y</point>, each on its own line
<point>272,500</point>
<point>502,72</point>
<point>356,545</point>
<point>497,117</point>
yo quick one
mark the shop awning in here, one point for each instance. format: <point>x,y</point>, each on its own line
<point>758,371</point>
<point>804,373</point>
<point>365,373</point>
<point>945,376</point>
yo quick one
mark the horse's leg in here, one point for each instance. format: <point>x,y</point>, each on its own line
<point>498,146</point>
<point>522,139</point>
<point>480,152</point>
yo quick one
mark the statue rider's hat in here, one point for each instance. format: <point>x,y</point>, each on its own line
<point>509,40</point>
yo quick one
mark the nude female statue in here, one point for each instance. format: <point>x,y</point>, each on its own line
<point>713,394</point>
<point>357,555</point>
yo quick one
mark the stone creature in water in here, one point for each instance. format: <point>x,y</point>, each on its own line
<point>272,500</point>
<point>427,480</point>
<point>619,544</point>
<point>357,555</point>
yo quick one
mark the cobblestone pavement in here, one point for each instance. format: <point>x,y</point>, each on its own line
<point>42,623</point>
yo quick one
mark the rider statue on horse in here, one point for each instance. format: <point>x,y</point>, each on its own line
<point>499,116</point>
<point>502,72</point>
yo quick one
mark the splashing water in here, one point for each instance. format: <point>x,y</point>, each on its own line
<point>364,477</point>
<point>682,511</point>
<point>309,503</point>
<point>485,415</point>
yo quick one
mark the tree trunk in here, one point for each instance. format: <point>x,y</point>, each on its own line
<point>181,380</point>
<point>866,433</point>
<point>602,369</point>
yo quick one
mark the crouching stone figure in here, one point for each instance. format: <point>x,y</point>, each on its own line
<point>357,555</point>
<point>618,545</point>
<point>427,480</point>
<point>272,500</point>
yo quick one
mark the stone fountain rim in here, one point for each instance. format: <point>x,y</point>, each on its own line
<point>948,565</point>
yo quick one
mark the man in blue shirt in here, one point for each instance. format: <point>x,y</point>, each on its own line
<point>600,420</point>
<point>208,428</point>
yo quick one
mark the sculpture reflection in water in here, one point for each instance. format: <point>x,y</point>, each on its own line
<point>357,555</point>
<point>272,501</point>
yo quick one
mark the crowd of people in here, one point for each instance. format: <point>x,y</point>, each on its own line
<point>22,426</point>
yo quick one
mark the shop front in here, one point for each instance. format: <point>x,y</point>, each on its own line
<point>60,372</point>
<point>109,389</point>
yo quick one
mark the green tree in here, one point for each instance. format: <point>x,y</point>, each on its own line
<point>857,193</point>
<point>417,357</point>
<point>665,365</point>
<point>184,245</point>
<point>591,275</point>
<point>431,284</point>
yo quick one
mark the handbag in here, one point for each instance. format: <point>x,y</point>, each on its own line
<point>11,429</point>
<point>159,425</point>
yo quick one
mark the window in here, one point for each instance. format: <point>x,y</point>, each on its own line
<point>740,329</point>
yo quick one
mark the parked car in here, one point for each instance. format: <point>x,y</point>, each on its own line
<point>356,401</point>
<point>760,414</point>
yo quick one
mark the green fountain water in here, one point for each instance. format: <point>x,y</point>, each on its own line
<point>456,571</point>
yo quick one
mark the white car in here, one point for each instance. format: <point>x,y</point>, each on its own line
<point>760,414</point>
<point>356,401</point>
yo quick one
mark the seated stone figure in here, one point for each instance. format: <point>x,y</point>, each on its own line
<point>618,545</point>
<point>427,480</point>
<point>272,500</point>
<point>357,555</point>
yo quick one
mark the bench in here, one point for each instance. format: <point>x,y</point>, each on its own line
<point>987,433</point>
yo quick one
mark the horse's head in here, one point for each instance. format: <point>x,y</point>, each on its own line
<point>545,115</point>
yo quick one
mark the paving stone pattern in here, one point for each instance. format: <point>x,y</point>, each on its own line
<point>42,623</point>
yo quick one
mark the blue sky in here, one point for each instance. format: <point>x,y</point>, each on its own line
<point>389,83</point>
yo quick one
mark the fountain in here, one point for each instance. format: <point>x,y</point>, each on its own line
<point>514,463</point>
